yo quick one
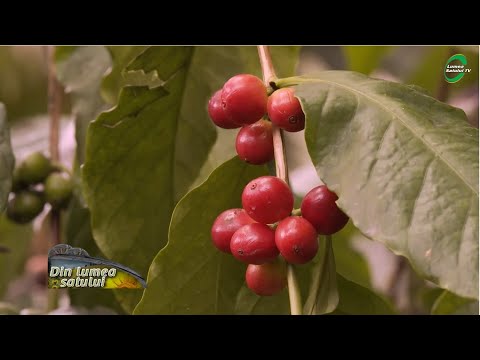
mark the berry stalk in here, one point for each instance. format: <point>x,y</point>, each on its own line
<point>269,77</point>
<point>54,110</point>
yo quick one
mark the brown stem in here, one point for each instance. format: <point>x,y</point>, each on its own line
<point>267,66</point>
<point>54,111</point>
<point>278,148</point>
<point>54,105</point>
<point>282,172</point>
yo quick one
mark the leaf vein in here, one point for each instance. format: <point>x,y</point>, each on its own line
<point>408,127</point>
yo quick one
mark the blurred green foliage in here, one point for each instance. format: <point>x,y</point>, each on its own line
<point>23,81</point>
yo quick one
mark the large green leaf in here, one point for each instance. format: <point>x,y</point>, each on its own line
<point>190,276</point>
<point>126,175</point>
<point>365,59</point>
<point>358,300</point>
<point>14,242</point>
<point>451,304</point>
<point>114,81</point>
<point>7,160</point>
<point>81,70</point>
<point>145,153</point>
<point>405,167</point>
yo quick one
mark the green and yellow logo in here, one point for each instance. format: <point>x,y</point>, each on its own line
<point>455,68</point>
<point>70,267</point>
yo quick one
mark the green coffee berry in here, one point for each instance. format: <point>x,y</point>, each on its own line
<point>25,207</point>
<point>58,189</point>
<point>17,183</point>
<point>34,169</point>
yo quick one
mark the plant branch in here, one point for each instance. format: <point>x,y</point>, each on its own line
<point>54,105</point>
<point>54,111</point>
<point>282,172</point>
<point>293,291</point>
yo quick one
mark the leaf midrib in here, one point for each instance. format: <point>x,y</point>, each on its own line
<point>396,115</point>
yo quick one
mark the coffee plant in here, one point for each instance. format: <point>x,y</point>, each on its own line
<point>181,172</point>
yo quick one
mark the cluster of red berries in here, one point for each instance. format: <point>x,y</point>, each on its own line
<point>265,229</point>
<point>264,234</point>
<point>243,102</point>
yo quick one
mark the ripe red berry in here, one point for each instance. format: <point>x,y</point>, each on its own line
<point>244,99</point>
<point>296,239</point>
<point>225,226</point>
<point>267,279</point>
<point>254,143</point>
<point>267,199</point>
<point>254,244</point>
<point>218,116</point>
<point>320,209</point>
<point>285,111</point>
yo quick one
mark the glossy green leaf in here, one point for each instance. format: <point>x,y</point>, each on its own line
<point>365,59</point>
<point>451,304</point>
<point>113,82</point>
<point>7,160</point>
<point>190,276</point>
<point>358,300</point>
<point>405,168</point>
<point>14,240</point>
<point>81,70</point>
<point>323,295</point>
<point>126,176</point>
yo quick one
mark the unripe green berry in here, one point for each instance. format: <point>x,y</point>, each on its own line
<point>34,169</point>
<point>58,189</point>
<point>17,183</point>
<point>25,207</point>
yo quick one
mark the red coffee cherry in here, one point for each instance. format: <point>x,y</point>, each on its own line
<point>254,143</point>
<point>284,110</point>
<point>225,226</point>
<point>254,244</point>
<point>267,199</point>
<point>296,239</point>
<point>267,279</point>
<point>218,116</point>
<point>244,99</point>
<point>320,209</point>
